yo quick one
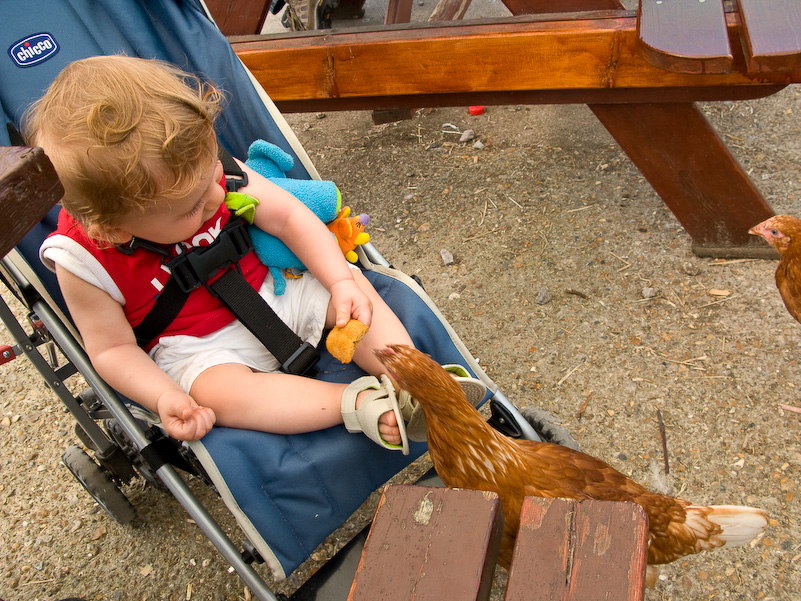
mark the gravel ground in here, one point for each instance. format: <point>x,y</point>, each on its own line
<point>636,327</point>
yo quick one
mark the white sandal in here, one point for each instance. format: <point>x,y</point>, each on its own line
<point>374,404</point>
<point>473,388</point>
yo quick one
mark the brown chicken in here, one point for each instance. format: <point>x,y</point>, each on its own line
<point>468,453</point>
<point>783,233</point>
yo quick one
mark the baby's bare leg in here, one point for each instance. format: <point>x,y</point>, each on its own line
<point>385,329</point>
<point>276,402</point>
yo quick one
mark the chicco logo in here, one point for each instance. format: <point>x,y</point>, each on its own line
<point>33,50</point>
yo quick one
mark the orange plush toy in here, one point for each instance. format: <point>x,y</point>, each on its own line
<point>349,232</point>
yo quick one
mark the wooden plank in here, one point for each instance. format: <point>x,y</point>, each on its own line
<point>239,17</point>
<point>598,53</point>
<point>579,551</point>
<point>430,543</point>
<point>398,11</point>
<point>689,166</point>
<point>686,36</point>
<point>29,187</point>
<point>771,34</point>
<point>538,7</point>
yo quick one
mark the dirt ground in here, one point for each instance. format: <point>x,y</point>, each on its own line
<point>635,327</point>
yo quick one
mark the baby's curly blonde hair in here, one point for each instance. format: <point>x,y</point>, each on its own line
<point>124,132</point>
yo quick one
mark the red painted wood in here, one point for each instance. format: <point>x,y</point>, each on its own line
<point>29,187</point>
<point>688,37</point>
<point>579,551</point>
<point>239,17</point>
<point>539,7</point>
<point>398,11</point>
<point>689,166</point>
<point>772,34</point>
<point>592,58</point>
<point>430,543</point>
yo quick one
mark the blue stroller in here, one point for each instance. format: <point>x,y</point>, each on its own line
<point>287,493</point>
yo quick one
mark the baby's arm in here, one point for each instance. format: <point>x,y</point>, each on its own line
<point>281,214</point>
<point>111,346</point>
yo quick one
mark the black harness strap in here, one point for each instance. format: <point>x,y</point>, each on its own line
<point>200,268</point>
<point>294,355</point>
<point>167,307</point>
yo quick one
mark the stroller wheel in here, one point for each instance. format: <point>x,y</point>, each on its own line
<point>98,484</point>
<point>549,427</point>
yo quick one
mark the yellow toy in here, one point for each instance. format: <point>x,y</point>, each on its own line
<point>349,232</point>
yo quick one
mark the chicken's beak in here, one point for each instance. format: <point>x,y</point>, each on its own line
<point>758,230</point>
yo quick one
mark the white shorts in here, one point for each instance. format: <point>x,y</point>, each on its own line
<point>303,307</point>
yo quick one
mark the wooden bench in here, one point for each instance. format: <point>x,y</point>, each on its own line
<point>638,76</point>
<point>441,544</point>
<point>22,170</point>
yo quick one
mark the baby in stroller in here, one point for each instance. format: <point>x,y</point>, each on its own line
<point>133,142</point>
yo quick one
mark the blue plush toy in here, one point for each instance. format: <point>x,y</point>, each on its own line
<point>322,197</point>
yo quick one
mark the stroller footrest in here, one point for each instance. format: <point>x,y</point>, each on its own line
<point>430,543</point>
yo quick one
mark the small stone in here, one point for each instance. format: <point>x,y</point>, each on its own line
<point>99,533</point>
<point>478,145</point>
<point>447,257</point>
<point>468,135</point>
<point>690,269</point>
<point>648,292</point>
<point>543,296</point>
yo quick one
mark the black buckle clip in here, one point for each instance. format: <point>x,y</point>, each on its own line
<point>234,181</point>
<point>302,362</point>
<point>194,269</point>
<point>135,243</point>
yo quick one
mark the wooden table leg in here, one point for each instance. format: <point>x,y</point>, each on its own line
<point>689,166</point>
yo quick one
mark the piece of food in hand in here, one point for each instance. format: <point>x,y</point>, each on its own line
<point>468,453</point>
<point>342,342</point>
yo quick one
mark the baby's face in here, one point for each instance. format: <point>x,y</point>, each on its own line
<point>172,220</point>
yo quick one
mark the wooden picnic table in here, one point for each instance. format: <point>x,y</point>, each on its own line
<point>640,71</point>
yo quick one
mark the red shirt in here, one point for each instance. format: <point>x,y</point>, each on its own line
<point>142,275</point>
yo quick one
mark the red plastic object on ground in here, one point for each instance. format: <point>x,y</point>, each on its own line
<point>476,110</point>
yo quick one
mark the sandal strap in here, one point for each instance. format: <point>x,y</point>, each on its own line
<point>473,388</point>
<point>379,399</point>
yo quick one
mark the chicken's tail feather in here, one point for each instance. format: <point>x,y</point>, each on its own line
<point>738,525</point>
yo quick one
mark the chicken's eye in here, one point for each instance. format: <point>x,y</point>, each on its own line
<point>774,232</point>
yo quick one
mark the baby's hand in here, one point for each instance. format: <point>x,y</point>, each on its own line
<point>182,417</point>
<point>349,301</point>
